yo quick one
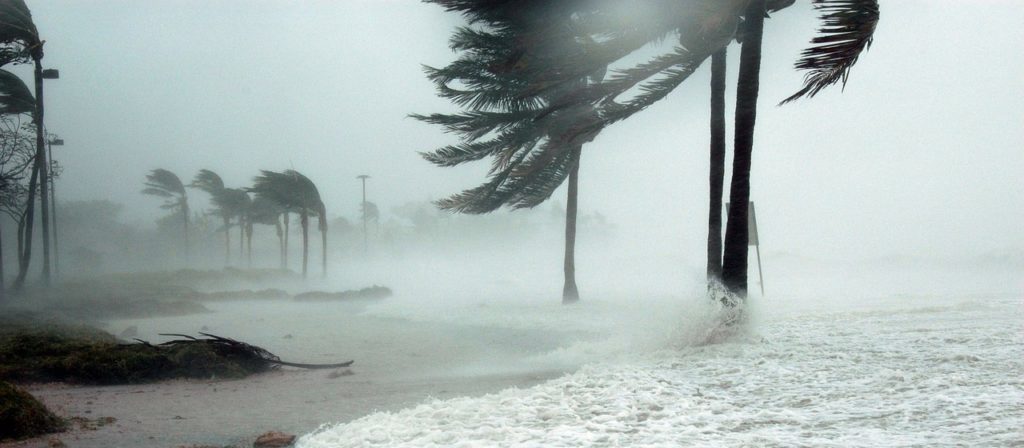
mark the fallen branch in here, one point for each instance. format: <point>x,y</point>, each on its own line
<point>232,347</point>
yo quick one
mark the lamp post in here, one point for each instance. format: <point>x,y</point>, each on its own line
<point>366,246</point>
<point>54,170</point>
<point>40,75</point>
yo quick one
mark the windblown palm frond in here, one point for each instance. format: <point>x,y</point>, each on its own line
<point>848,28</point>
<point>165,184</point>
<point>207,181</point>
<point>18,34</point>
<point>15,97</point>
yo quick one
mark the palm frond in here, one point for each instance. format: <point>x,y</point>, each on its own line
<point>847,30</point>
<point>17,27</point>
<point>15,97</point>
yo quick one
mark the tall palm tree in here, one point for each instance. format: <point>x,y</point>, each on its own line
<point>296,193</point>
<point>535,147</point>
<point>520,71</point>
<point>20,40</point>
<point>15,99</point>
<point>267,212</point>
<point>716,171</point>
<point>212,184</point>
<point>167,185</point>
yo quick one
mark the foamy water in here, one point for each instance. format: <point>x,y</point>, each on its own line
<point>896,371</point>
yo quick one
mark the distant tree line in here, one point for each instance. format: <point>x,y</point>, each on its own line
<point>269,201</point>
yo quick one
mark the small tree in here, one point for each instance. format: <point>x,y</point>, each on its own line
<point>165,184</point>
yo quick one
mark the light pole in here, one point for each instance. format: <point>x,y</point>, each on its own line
<point>54,169</point>
<point>366,245</point>
<point>40,75</point>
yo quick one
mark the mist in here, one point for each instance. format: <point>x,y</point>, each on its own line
<point>888,214</point>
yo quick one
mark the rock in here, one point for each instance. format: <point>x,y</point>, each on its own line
<point>274,439</point>
<point>130,332</point>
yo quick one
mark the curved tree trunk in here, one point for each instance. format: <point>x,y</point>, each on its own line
<point>184,213</point>
<point>248,243</point>
<point>570,294</point>
<point>280,242</point>
<point>716,175</point>
<point>241,240</point>
<point>287,230</point>
<point>25,243</point>
<point>323,241</point>
<point>304,221</point>
<point>227,241</point>
<point>734,263</point>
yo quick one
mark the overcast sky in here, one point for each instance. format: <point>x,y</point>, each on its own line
<point>921,155</point>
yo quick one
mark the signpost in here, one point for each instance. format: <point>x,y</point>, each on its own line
<point>752,239</point>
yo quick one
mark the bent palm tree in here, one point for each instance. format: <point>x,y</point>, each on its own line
<point>296,193</point>
<point>20,40</point>
<point>267,212</point>
<point>211,183</point>
<point>167,185</point>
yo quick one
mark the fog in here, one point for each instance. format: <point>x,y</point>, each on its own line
<point>894,198</point>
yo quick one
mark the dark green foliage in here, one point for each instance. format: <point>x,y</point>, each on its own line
<point>15,97</point>
<point>22,416</point>
<point>848,28</point>
<point>55,353</point>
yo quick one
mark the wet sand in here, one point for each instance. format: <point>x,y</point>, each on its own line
<point>398,363</point>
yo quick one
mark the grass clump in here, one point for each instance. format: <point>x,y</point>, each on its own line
<point>22,416</point>
<point>58,352</point>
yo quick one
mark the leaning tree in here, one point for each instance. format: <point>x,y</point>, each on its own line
<point>20,43</point>
<point>533,149</point>
<point>165,184</point>
<point>294,192</point>
<point>701,28</point>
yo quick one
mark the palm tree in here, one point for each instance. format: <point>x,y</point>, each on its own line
<point>267,212</point>
<point>167,185</point>
<point>20,40</point>
<point>15,99</point>
<point>535,147</point>
<point>295,192</point>
<point>716,175</point>
<point>529,55</point>
<point>211,183</point>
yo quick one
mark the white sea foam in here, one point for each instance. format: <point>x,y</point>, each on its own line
<point>947,373</point>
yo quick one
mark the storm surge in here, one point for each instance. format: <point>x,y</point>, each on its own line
<point>925,370</point>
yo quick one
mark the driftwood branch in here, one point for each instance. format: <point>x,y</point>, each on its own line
<point>232,346</point>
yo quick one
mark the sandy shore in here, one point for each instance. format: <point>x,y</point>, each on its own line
<point>399,363</point>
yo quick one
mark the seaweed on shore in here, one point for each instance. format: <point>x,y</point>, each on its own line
<point>54,353</point>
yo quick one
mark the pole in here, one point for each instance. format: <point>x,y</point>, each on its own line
<point>366,245</point>
<point>753,221</point>
<point>43,168</point>
<point>53,207</point>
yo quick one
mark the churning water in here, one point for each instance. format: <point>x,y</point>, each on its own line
<point>926,370</point>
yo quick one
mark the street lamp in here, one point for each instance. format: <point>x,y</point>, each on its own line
<point>51,73</point>
<point>54,171</point>
<point>366,246</point>
<point>43,166</point>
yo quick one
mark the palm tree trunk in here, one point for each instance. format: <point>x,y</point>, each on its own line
<point>304,221</point>
<point>287,230</point>
<point>323,239</point>
<point>44,168</point>
<point>184,213</point>
<point>280,242</point>
<point>241,240</point>
<point>734,263</point>
<point>25,242</point>
<point>248,243</point>
<point>716,175</point>
<point>227,241</point>
<point>3,287</point>
<point>570,294</point>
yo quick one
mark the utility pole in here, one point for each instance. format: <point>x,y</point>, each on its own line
<point>366,245</point>
<point>40,75</point>
<point>53,201</point>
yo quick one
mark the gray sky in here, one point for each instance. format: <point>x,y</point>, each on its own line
<point>920,156</point>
